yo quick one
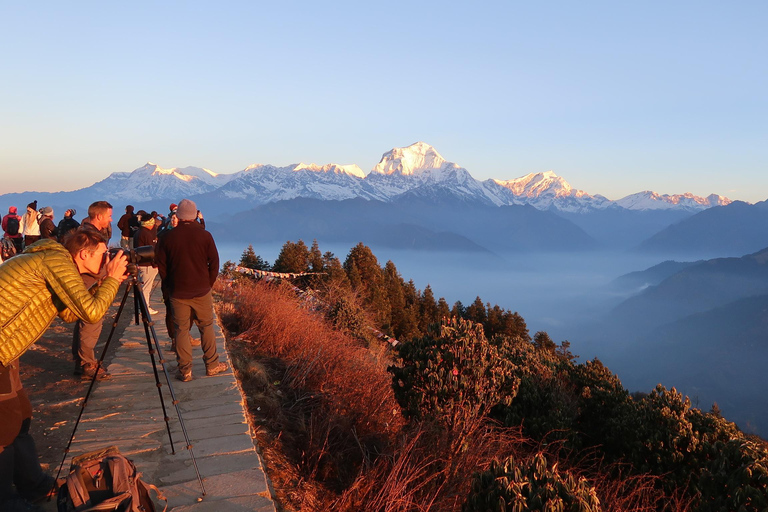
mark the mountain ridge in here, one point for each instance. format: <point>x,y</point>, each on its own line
<point>418,169</point>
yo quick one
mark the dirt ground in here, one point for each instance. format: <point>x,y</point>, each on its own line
<point>56,394</point>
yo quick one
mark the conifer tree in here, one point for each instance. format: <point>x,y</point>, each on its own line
<point>443,311</point>
<point>250,259</point>
<point>293,257</point>
<point>427,310</point>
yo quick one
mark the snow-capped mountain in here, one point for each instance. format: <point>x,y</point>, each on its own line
<point>546,190</point>
<point>152,182</point>
<point>649,200</point>
<point>415,171</point>
<point>260,184</point>
<point>420,171</point>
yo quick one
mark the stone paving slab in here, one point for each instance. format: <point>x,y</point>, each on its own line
<point>125,411</point>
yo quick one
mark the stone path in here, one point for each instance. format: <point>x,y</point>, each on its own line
<point>126,411</point>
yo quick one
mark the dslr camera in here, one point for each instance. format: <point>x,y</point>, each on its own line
<point>143,255</point>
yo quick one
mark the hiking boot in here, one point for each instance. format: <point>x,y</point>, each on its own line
<point>183,376</point>
<point>215,370</point>
<point>89,370</point>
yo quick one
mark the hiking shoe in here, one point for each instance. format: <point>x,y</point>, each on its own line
<point>183,376</point>
<point>194,342</point>
<point>152,311</point>
<point>215,370</point>
<point>89,370</point>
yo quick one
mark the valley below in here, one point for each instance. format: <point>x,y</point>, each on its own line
<point>575,296</point>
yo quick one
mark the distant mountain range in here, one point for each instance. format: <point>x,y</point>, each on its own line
<point>728,230</point>
<point>408,223</point>
<point>700,325</point>
<point>414,171</point>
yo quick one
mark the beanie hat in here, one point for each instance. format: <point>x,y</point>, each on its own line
<point>33,205</point>
<point>12,209</point>
<point>46,210</point>
<point>172,207</point>
<point>187,210</point>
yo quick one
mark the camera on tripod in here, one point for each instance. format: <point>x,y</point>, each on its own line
<point>143,255</point>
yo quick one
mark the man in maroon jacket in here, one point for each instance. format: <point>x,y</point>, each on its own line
<point>188,262</point>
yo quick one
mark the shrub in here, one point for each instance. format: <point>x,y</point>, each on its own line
<point>453,376</point>
<point>532,485</point>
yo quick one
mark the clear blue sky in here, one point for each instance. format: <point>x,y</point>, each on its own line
<point>616,97</point>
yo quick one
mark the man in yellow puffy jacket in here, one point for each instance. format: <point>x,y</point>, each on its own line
<point>36,286</point>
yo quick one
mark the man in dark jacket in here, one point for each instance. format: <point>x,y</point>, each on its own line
<point>188,262</point>
<point>67,224</point>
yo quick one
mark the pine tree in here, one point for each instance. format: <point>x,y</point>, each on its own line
<point>293,257</point>
<point>428,310</point>
<point>250,259</point>
<point>443,311</point>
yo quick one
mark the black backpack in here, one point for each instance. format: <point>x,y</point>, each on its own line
<point>105,480</point>
<point>12,226</point>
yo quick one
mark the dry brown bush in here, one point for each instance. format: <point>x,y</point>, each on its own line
<point>338,441</point>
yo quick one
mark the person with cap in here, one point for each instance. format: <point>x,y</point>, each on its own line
<point>146,236</point>
<point>188,262</point>
<point>12,228</point>
<point>68,223</point>
<point>47,227</point>
<point>29,226</point>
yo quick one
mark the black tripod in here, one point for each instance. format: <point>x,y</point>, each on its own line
<point>153,346</point>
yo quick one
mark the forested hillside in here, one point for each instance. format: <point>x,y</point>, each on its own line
<point>464,411</point>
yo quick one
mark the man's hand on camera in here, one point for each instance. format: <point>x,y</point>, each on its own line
<point>117,266</point>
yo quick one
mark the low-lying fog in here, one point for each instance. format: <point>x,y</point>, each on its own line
<point>551,291</point>
<point>569,295</point>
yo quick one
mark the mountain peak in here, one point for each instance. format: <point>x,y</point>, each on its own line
<point>411,160</point>
<point>649,200</point>
<point>350,170</point>
<point>536,184</point>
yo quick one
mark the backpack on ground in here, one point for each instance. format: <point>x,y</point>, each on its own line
<point>12,226</point>
<point>105,480</point>
<point>8,248</point>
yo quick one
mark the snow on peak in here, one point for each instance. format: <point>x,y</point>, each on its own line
<point>649,200</point>
<point>350,170</point>
<point>537,184</point>
<point>412,160</point>
<point>187,174</point>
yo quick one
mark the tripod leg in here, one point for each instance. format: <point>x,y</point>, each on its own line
<point>95,376</point>
<point>149,329</point>
<point>142,307</point>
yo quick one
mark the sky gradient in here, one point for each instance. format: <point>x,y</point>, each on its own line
<point>615,97</point>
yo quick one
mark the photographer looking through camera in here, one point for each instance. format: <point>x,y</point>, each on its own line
<point>36,286</point>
